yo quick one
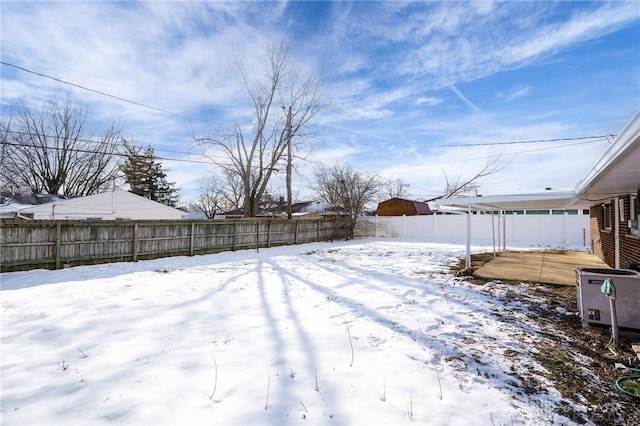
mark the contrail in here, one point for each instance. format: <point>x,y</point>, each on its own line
<point>464,99</point>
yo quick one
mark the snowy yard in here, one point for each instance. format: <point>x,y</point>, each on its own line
<point>345,333</point>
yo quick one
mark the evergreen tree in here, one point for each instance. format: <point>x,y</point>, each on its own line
<point>145,177</point>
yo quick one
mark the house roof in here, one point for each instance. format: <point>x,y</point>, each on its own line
<point>422,208</point>
<point>107,205</point>
<point>618,170</point>
<point>280,209</point>
<point>10,203</point>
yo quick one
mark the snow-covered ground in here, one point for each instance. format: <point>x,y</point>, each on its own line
<point>346,333</point>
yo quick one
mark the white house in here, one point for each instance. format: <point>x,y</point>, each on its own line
<point>117,204</point>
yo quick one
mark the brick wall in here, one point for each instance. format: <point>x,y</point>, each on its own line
<point>603,240</point>
<point>629,244</point>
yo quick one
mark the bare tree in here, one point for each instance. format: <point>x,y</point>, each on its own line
<point>219,194</point>
<point>347,190</point>
<point>283,105</point>
<point>396,188</point>
<point>462,186</point>
<point>52,151</point>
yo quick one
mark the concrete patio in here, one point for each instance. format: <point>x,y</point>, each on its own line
<point>549,267</point>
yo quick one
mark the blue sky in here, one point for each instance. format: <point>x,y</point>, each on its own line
<point>416,89</point>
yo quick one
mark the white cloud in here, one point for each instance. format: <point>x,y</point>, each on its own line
<point>582,26</point>
<point>517,92</point>
<point>428,100</point>
<point>453,48</point>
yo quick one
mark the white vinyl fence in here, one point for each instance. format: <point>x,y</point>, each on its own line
<point>513,229</point>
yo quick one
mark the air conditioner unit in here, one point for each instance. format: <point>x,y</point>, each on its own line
<point>593,304</point>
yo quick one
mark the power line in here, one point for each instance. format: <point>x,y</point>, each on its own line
<point>100,92</point>
<point>88,151</point>
<point>18,132</point>
<point>113,144</point>
<point>456,145</point>
<point>528,151</point>
<point>529,141</point>
<point>211,161</point>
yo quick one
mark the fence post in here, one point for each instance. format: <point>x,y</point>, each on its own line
<point>404,225</point>
<point>257,236</point>
<point>295,232</point>
<point>235,235</point>
<point>269,232</point>
<point>58,232</point>
<point>193,226</point>
<point>504,231</point>
<point>134,243</point>
<point>564,227</point>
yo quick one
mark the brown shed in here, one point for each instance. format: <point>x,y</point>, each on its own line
<point>400,207</point>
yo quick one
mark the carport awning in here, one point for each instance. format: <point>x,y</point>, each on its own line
<point>542,200</point>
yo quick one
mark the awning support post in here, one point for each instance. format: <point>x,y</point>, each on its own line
<point>468,260</point>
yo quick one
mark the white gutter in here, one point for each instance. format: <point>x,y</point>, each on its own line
<point>616,235</point>
<point>20,216</point>
<point>615,152</point>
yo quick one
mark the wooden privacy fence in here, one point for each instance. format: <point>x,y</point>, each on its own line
<point>56,244</point>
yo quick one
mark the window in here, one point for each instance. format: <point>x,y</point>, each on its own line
<point>606,216</point>
<point>634,211</point>
<point>537,211</point>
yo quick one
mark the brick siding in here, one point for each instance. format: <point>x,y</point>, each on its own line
<point>603,240</point>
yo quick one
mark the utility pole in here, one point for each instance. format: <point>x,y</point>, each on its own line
<point>289,164</point>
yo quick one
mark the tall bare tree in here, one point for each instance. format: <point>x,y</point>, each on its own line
<point>283,105</point>
<point>347,190</point>
<point>53,151</point>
